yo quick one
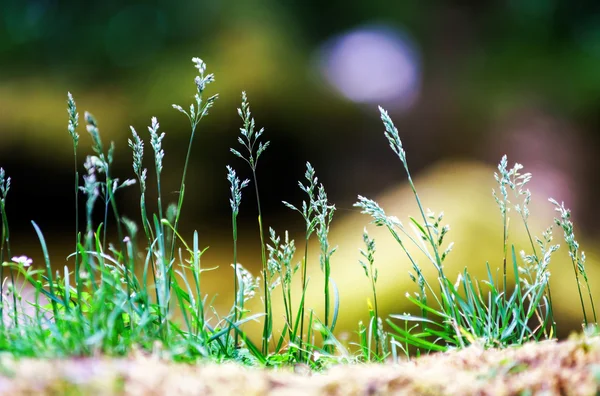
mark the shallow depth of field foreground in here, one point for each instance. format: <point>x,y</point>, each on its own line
<point>568,368</point>
<point>130,313</point>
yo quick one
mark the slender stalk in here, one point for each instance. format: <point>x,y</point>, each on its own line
<point>6,241</point>
<point>195,115</point>
<point>327,302</point>
<point>197,278</point>
<point>137,146</point>
<point>78,283</point>
<point>505,246</point>
<point>182,189</point>
<point>303,288</point>
<point>306,211</point>
<point>551,310</point>
<point>2,242</point>
<point>267,303</point>
<point>591,302</point>
<point>235,202</point>
<point>235,277</point>
<point>112,201</point>
<point>290,305</point>
<point>91,190</point>
<point>324,215</point>
<point>577,258</point>
<point>548,290</point>
<point>159,203</point>
<point>149,236</point>
<point>107,194</point>
<point>285,294</point>
<point>72,128</point>
<point>431,241</point>
<point>163,262</point>
<point>129,274</point>
<point>48,272</point>
<point>248,140</point>
<point>393,137</point>
<point>377,341</point>
<point>371,273</point>
<point>2,324</point>
<point>120,234</point>
<point>585,321</point>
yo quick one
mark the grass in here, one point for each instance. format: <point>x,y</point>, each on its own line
<point>144,292</point>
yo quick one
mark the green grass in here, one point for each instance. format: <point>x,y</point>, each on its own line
<point>145,291</point>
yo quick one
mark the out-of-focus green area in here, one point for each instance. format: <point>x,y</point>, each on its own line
<point>465,82</point>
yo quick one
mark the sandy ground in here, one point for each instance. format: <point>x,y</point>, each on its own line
<point>570,367</point>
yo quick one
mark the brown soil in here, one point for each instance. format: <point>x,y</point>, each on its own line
<point>570,367</point>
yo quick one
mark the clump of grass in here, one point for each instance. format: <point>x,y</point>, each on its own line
<point>125,296</point>
<point>463,313</point>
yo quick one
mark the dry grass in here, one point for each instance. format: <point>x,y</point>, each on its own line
<point>571,367</point>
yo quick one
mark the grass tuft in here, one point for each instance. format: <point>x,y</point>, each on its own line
<point>146,294</point>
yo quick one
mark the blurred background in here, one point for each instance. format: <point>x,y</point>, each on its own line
<point>464,81</point>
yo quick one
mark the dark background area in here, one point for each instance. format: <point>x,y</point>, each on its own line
<point>463,80</point>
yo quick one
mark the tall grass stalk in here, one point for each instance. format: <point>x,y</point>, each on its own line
<point>50,278</point>
<point>308,214</point>
<point>5,244</point>
<point>371,273</point>
<point>195,115</point>
<point>324,215</point>
<point>235,202</point>
<point>281,254</point>
<point>503,180</point>
<point>317,214</point>
<point>137,146</point>
<point>103,162</point>
<point>517,182</point>
<point>391,133</point>
<point>72,128</point>
<point>159,154</point>
<point>163,260</point>
<point>249,139</point>
<point>577,256</point>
